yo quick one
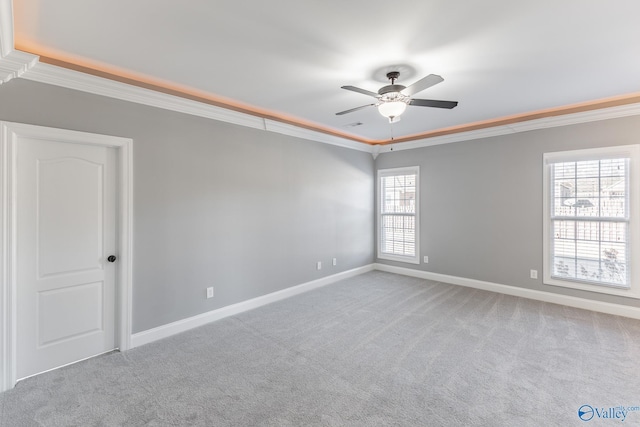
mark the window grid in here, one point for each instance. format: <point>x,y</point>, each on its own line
<point>397,214</point>
<point>589,219</point>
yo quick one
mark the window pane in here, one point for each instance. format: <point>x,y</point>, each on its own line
<point>590,189</point>
<point>398,193</point>
<point>564,206</point>
<point>564,230</point>
<point>594,251</point>
<point>612,167</point>
<point>564,268</point>
<point>587,187</point>
<point>613,196</point>
<point>615,232</point>
<point>589,220</point>
<point>398,239</point>
<point>564,188</point>
<point>612,185</point>
<point>587,251</point>
<point>588,169</point>
<point>565,170</point>
<point>613,207</point>
<point>565,248</point>
<point>398,235</point>
<point>614,263</point>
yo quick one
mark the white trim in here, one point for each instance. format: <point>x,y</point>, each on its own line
<point>125,244</point>
<point>447,139</point>
<point>631,151</point>
<point>7,269</point>
<point>15,64</point>
<point>570,301</point>
<point>8,259</point>
<point>525,126</point>
<point>58,76</point>
<point>597,153</point>
<point>375,151</point>
<point>291,130</point>
<point>65,135</point>
<point>19,64</point>
<point>393,172</point>
<point>6,27</point>
<point>164,331</point>
<point>70,79</point>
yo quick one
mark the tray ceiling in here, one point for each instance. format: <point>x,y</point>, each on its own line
<point>287,59</point>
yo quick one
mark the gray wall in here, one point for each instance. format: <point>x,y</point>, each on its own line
<point>246,211</point>
<point>251,212</point>
<point>481,201</point>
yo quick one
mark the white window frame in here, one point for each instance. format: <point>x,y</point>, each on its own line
<point>633,153</point>
<point>379,200</point>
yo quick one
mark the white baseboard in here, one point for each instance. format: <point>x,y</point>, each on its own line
<point>183,325</point>
<point>587,304</point>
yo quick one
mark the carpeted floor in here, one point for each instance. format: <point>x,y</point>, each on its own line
<point>375,350</point>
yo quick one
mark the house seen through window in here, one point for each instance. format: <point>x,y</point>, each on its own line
<point>589,228</point>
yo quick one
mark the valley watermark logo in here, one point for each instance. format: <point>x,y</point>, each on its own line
<point>618,413</point>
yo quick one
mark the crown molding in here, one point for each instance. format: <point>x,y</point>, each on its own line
<point>15,64</point>
<point>524,126</point>
<point>71,79</point>
<point>577,118</point>
<point>28,67</point>
<point>298,132</point>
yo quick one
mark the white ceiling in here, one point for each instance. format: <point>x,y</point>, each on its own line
<point>290,57</point>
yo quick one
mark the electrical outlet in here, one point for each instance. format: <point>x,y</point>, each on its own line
<point>426,260</point>
<point>335,261</point>
<point>210,292</point>
<point>533,274</point>
<point>319,265</point>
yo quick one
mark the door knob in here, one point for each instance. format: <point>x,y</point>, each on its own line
<point>112,258</point>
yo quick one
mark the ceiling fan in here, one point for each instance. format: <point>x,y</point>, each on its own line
<point>393,99</point>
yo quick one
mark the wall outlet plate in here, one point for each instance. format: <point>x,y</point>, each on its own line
<point>210,292</point>
<point>533,274</point>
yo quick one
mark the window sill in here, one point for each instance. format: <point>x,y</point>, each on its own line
<point>399,258</point>
<point>602,289</point>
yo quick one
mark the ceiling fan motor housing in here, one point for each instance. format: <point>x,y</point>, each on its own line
<point>391,88</point>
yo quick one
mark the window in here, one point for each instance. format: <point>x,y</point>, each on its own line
<point>591,219</point>
<point>398,214</point>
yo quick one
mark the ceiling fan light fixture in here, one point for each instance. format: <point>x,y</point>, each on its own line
<point>393,99</point>
<point>392,109</point>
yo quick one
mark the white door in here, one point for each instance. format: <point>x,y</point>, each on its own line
<point>66,231</point>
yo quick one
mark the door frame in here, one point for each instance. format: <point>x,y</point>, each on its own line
<point>9,134</point>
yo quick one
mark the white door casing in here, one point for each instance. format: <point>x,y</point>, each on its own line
<point>71,164</point>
